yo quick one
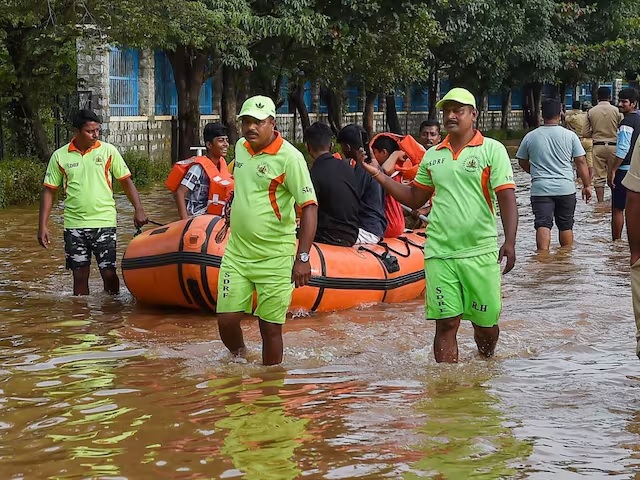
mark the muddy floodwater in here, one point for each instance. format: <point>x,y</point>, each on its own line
<point>98,387</point>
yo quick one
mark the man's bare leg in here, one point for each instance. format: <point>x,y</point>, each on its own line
<point>486,339</point>
<point>272,347</point>
<point>231,332</point>
<point>566,238</point>
<point>81,280</point>
<point>543,238</point>
<point>445,343</point>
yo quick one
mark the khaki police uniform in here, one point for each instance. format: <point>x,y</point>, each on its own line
<point>602,126</point>
<point>632,182</point>
<point>575,121</point>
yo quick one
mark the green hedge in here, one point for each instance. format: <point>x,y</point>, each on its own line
<point>20,181</point>
<point>504,135</point>
<point>21,178</point>
<point>145,171</point>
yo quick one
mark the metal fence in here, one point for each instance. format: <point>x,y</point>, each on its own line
<point>123,82</point>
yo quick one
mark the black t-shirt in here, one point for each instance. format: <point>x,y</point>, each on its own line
<point>335,184</point>
<point>371,194</point>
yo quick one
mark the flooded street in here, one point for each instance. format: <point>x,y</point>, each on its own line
<point>98,387</point>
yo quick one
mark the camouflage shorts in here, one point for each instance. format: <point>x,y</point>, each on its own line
<point>80,243</point>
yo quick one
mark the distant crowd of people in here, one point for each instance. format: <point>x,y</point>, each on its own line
<point>602,142</point>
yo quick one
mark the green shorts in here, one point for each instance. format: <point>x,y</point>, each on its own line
<point>470,287</point>
<point>270,278</point>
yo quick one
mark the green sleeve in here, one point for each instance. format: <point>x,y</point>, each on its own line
<point>501,170</point>
<point>423,177</point>
<point>119,168</point>
<point>298,182</point>
<point>53,176</point>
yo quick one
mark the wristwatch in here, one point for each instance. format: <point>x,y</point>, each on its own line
<point>304,257</point>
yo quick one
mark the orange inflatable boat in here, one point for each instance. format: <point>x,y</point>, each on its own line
<point>178,264</point>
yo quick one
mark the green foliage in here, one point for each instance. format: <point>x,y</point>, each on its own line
<point>20,181</point>
<point>21,178</point>
<point>145,171</point>
<point>500,135</point>
<point>37,63</point>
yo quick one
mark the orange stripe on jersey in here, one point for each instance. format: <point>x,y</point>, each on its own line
<point>417,184</point>
<point>486,175</point>
<point>273,186</point>
<point>106,172</point>
<point>506,186</point>
<point>66,177</point>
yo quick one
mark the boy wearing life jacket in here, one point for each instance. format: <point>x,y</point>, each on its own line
<point>399,157</point>
<point>207,184</point>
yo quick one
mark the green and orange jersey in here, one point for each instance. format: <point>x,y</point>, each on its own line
<point>87,179</point>
<point>463,216</point>
<point>268,186</point>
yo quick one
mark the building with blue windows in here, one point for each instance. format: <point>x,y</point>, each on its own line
<point>139,102</point>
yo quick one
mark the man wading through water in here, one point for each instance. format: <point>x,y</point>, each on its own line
<point>462,261</point>
<point>271,177</point>
<point>86,167</point>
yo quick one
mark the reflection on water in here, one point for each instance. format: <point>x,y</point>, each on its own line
<point>97,387</point>
<point>466,434</point>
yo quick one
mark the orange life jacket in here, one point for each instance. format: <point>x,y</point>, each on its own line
<point>406,171</point>
<point>408,168</point>
<point>220,180</point>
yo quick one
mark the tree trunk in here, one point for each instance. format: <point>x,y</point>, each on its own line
<point>532,105</point>
<point>217,91</point>
<point>296,97</point>
<point>334,109</point>
<point>506,108</point>
<point>594,93</point>
<point>433,92</point>
<point>392,115</point>
<point>229,107</point>
<point>537,102</point>
<point>482,112</point>
<point>30,131</point>
<point>563,93</point>
<point>188,71</point>
<point>369,107</point>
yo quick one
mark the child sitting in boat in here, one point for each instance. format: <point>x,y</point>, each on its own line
<point>203,184</point>
<point>399,157</point>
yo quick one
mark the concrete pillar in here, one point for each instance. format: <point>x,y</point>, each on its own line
<point>616,87</point>
<point>93,78</point>
<point>315,97</point>
<point>146,83</point>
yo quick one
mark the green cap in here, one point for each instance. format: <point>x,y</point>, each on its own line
<point>460,95</point>
<point>259,107</point>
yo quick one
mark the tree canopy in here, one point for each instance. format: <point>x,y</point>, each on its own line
<point>254,46</point>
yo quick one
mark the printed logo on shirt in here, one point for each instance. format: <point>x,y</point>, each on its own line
<point>471,165</point>
<point>73,165</point>
<point>262,169</point>
<point>98,160</point>
<point>436,161</point>
<point>307,190</point>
